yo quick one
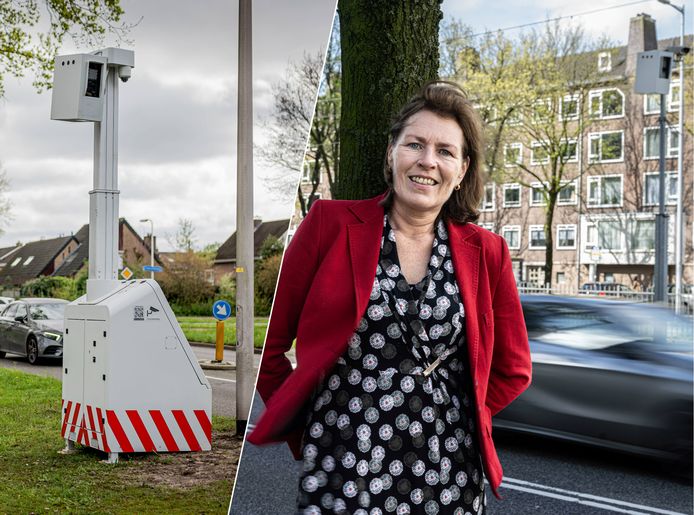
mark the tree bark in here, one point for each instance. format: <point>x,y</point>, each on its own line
<point>389,50</point>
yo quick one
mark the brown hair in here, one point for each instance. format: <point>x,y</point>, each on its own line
<point>447,99</point>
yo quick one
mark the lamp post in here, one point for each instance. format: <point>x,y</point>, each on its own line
<point>679,225</point>
<point>151,245</point>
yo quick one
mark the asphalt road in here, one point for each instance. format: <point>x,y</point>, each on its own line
<point>223,382</point>
<point>540,477</point>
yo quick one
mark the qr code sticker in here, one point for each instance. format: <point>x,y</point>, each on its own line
<point>139,313</point>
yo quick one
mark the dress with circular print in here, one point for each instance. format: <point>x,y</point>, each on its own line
<point>392,429</point>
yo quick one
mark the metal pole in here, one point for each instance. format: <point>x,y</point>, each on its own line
<point>103,199</point>
<point>660,272</point>
<point>244,223</point>
<point>679,225</point>
<point>151,244</point>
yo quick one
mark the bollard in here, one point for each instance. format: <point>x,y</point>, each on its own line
<point>219,345</point>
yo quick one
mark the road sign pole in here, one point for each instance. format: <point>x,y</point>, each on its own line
<point>219,342</point>
<point>245,375</point>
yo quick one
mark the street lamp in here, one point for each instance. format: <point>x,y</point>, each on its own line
<point>151,245</point>
<point>679,225</point>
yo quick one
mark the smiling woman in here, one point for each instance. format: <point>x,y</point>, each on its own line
<point>409,331</point>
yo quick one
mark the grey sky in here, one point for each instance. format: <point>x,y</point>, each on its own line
<point>177,134</point>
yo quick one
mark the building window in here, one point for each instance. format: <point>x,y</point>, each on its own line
<point>16,261</point>
<point>487,225</point>
<point>536,275</point>
<point>561,278</point>
<point>543,109</point>
<point>606,103</point>
<point>28,260</point>
<point>488,200</point>
<point>604,62</point>
<point>539,154</point>
<point>651,103</point>
<point>566,236</point>
<point>610,235</point>
<point>537,194</point>
<point>512,195</point>
<point>567,194</point>
<point>605,191</point>
<point>537,237</point>
<point>514,117</point>
<point>513,154</point>
<point>643,235</point>
<point>307,171</point>
<point>569,151</point>
<point>606,147</point>
<point>511,233</point>
<point>569,107</point>
<point>591,236</point>
<point>652,187</point>
<point>651,143</point>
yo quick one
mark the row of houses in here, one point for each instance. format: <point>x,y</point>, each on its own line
<point>66,255</point>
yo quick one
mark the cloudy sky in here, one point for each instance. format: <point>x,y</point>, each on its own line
<point>177,116</point>
<point>177,123</point>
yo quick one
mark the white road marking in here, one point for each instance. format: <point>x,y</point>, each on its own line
<point>221,379</point>
<point>595,501</point>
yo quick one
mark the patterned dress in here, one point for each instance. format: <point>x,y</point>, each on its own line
<point>392,427</point>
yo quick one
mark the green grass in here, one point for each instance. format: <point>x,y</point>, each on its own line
<point>34,478</point>
<point>203,329</point>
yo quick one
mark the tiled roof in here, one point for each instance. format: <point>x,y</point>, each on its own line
<point>276,228</point>
<point>31,260</point>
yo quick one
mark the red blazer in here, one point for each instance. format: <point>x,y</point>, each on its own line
<point>324,287</point>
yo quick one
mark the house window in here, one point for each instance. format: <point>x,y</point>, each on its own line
<point>16,261</point>
<point>512,195</point>
<point>651,143</point>
<point>537,237</point>
<point>606,103</point>
<point>606,147</point>
<point>605,191</point>
<point>569,107</point>
<point>539,154</point>
<point>487,225</point>
<point>569,151</point>
<point>610,235</point>
<point>513,117</point>
<point>28,260</point>
<point>591,236</point>
<point>536,275</point>
<point>566,236</point>
<point>537,194</point>
<point>567,194</point>
<point>488,200</point>
<point>642,235</point>
<point>511,233</point>
<point>651,102</point>
<point>561,278</point>
<point>652,187</point>
<point>513,154</point>
<point>604,62</point>
<point>307,171</point>
<point>543,109</point>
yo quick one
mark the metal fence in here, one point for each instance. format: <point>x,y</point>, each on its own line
<point>686,300</point>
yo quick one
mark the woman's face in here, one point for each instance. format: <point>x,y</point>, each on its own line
<point>427,162</point>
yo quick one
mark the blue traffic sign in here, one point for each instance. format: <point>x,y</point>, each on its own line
<point>221,310</point>
<point>148,268</point>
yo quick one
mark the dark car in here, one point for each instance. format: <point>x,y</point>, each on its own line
<point>607,373</point>
<point>33,328</point>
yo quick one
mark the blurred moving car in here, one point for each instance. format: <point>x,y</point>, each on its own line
<point>608,373</point>
<point>33,328</point>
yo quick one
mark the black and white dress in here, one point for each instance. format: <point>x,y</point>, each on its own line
<point>392,429</point>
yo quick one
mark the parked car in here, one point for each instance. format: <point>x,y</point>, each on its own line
<point>6,300</point>
<point>33,328</point>
<point>616,290</point>
<point>607,373</point>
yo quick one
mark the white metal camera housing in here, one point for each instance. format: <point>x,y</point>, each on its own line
<point>79,87</point>
<point>653,70</point>
<point>124,73</point>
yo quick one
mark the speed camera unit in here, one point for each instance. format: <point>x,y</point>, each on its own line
<point>653,71</point>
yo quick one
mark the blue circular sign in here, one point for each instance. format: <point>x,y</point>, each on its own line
<point>221,310</point>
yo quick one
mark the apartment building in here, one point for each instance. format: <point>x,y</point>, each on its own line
<point>604,221</point>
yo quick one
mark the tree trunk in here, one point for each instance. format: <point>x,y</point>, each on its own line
<point>549,236</point>
<point>389,50</point>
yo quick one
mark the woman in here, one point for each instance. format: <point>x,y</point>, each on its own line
<point>409,331</point>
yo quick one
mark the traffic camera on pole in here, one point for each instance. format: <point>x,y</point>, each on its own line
<point>131,382</point>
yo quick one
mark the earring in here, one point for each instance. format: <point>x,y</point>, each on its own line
<point>457,187</point>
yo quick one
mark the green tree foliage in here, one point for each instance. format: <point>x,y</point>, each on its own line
<point>185,280</point>
<point>266,273</point>
<point>387,55</point>
<point>33,30</point>
<point>50,286</point>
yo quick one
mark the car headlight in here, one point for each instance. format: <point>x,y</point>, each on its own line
<point>51,336</point>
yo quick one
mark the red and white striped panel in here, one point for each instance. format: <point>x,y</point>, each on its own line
<point>137,430</point>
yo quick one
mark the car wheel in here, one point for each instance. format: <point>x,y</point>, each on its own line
<point>32,350</point>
